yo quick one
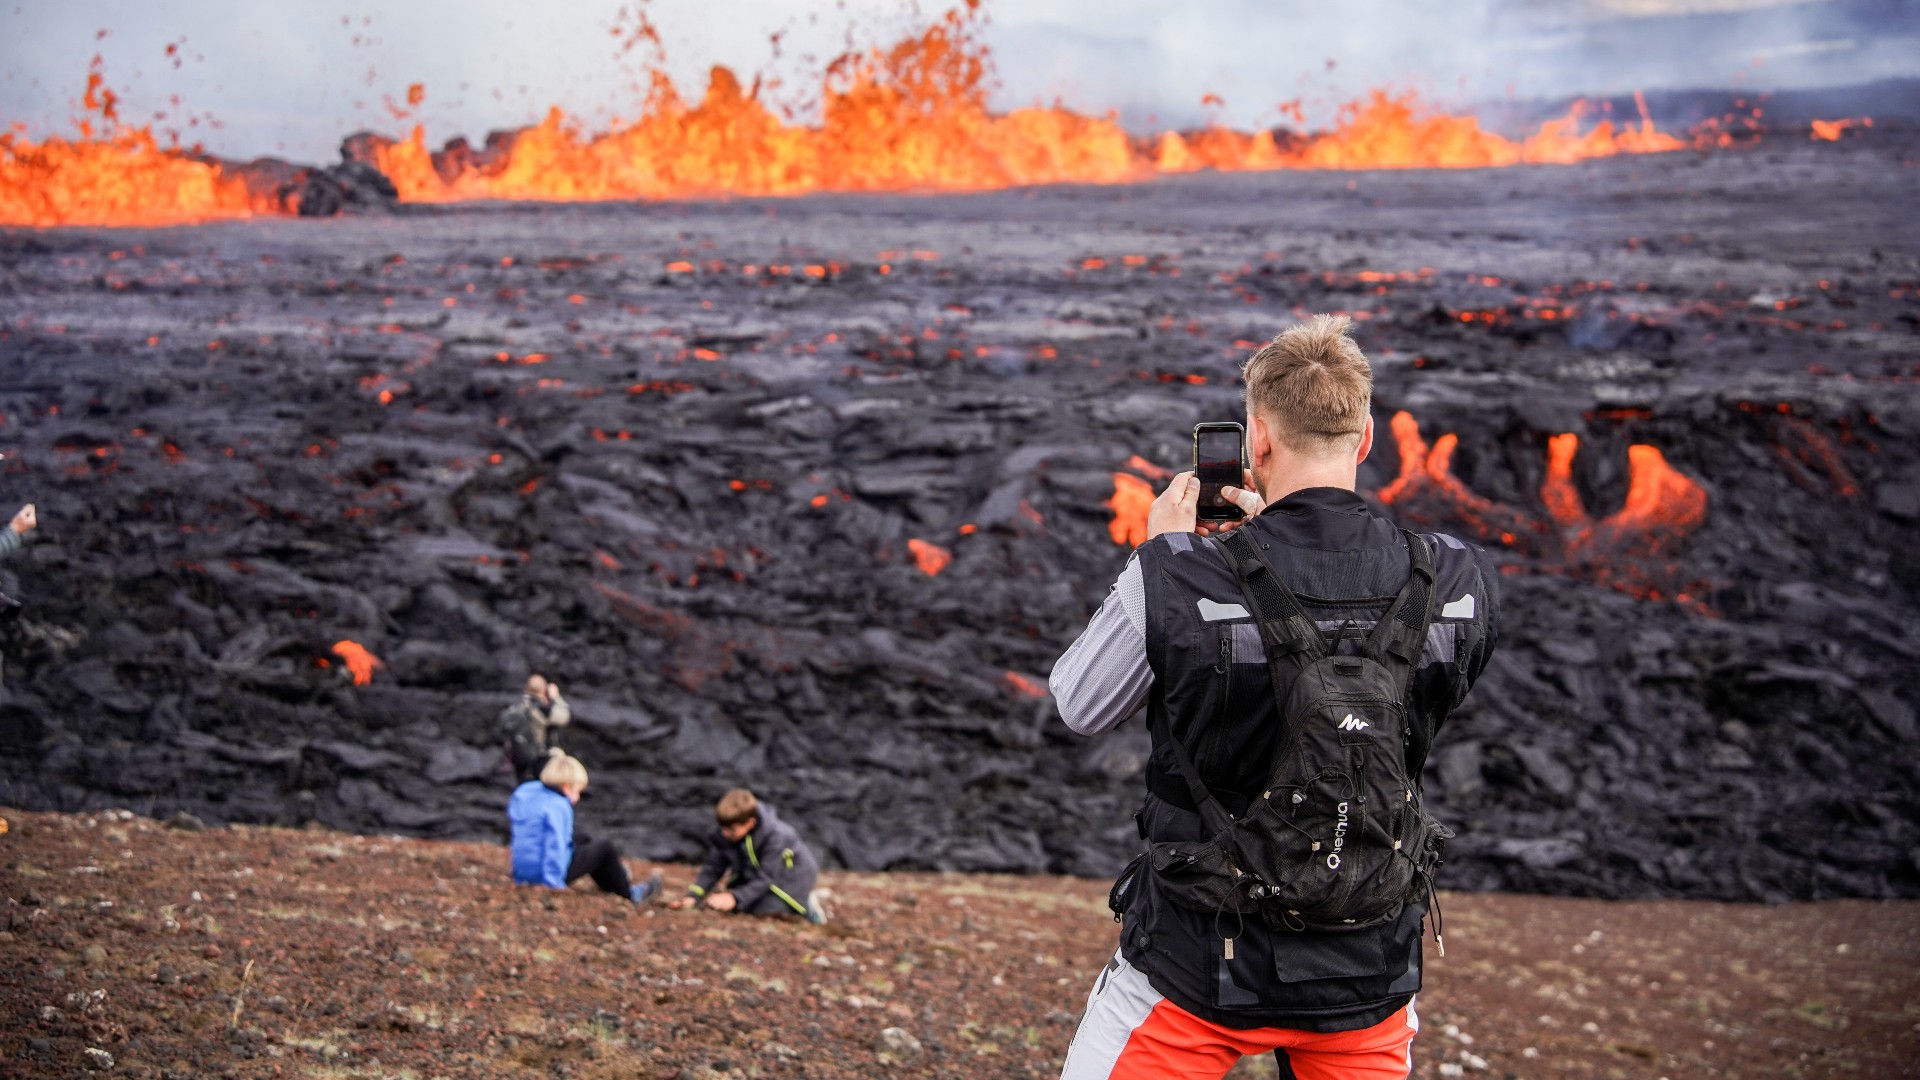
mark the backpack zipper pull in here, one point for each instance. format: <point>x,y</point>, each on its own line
<point>1226,656</point>
<point>1226,949</point>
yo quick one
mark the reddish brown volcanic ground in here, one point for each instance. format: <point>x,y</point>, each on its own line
<point>675,456</point>
<point>258,952</point>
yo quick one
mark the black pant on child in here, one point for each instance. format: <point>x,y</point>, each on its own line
<point>602,860</point>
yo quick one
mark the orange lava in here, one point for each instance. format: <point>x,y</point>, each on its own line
<point>1557,492</point>
<point>1663,505</point>
<point>359,661</point>
<point>1831,130</point>
<point>929,557</point>
<point>1427,473</point>
<point>1148,469</point>
<point>1627,550</point>
<point>1024,686</point>
<point>112,174</point>
<point>911,117</point>
<point>1132,497</point>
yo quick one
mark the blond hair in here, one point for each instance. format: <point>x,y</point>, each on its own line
<point>562,771</point>
<point>1314,385</point>
<point>736,806</point>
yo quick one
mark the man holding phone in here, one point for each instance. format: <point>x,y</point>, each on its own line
<point>1190,991</point>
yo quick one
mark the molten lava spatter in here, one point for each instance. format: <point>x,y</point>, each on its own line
<point>931,558</point>
<point>1428,473</point>
<point>1831,130</point>
<point>911,117</point>
<point>112,174</point>
<point>1625,550</point>
<point>360,663</point>
<point>1132,498</point>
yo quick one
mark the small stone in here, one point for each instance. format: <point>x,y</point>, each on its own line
<point>165,975</point>
<point>40,1046</point>
<point>185,822</point>
<point>897,1046</point>
<point>94,955</point>
<point>211,952</point>
<point>402,957</point>
<point>1473,1061</point>
<point>98,1058</point>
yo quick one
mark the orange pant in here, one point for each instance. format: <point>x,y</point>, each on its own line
<point>1130,1032</point>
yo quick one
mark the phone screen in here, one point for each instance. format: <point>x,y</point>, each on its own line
<point>1217,460</point>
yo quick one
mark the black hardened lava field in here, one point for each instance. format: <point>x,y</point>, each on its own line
<point>813,492</point>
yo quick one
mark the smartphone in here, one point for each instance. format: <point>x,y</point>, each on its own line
<point>1219,457</point>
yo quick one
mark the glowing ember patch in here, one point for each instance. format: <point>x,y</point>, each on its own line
<point>680,267</point>
<point>605,559</point>
<point>1132,497</point>
<point>1024,686</point>
<point>931,558</point>
<point>1148,469</point>
<point>1831,130</point>
<point>360,663</point>
<point>819,500</point>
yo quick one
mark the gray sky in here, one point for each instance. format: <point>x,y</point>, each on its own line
<point>293,79</point>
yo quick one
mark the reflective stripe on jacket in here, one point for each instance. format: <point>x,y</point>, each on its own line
<point>770,859</point>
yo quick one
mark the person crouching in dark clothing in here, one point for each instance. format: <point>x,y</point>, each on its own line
<point>768,869</point>
<point>546,849</point>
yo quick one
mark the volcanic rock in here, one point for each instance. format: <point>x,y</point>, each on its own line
<point>613,444</point>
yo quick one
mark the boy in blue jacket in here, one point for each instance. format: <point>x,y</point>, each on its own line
<point>546,851</point>
<point>769,871</point>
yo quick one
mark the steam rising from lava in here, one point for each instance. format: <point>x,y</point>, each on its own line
<point>910,117</point>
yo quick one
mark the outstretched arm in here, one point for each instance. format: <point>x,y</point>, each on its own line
<point>1104,677</point>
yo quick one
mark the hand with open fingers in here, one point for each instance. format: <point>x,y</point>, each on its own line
<point>1176,508</point>
<point>721,901</point>
<point>1247,499</point>
<point>24,521</point>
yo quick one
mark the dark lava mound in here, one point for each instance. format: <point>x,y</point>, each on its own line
<point>689,460</point>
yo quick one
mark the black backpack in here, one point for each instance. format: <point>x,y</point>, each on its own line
<point>1338,839</point>
<point>525,755</point>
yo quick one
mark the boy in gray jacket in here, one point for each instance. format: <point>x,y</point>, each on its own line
<point>769,871</point>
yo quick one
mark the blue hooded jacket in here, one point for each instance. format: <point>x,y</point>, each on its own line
<point>542,821</point>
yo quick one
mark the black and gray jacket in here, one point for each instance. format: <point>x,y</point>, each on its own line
<point>1212,688</point>
<point>769,871</point>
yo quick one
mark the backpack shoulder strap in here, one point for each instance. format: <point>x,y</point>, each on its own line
<point>1283,622</point>
<point>1401,633</point>
<point>1290,638</point>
